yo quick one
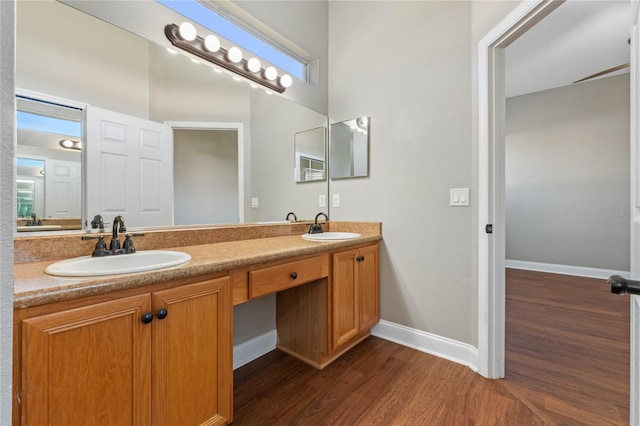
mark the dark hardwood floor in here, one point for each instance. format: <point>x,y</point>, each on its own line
<point>376,383</point>
<point>567,364</point>
<point>567,348</point>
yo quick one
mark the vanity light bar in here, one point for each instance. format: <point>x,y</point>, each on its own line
<point>231,59</point>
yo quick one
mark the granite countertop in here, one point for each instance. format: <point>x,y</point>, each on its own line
<point>33,287</point>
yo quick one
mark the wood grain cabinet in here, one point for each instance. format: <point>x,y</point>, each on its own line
<point>356,293</point>
<point>161,358</point>
<point>319,321</point>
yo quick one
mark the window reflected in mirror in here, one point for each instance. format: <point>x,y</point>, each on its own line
<point>349,148</point>
<point>310,155</point>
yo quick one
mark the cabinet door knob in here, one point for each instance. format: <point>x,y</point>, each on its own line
<point>360,258</point>
<point>294,275</point>
<point>161,314</point>
<point>147,318</point>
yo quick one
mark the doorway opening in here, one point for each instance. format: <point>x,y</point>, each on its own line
<point>491,260</point>
<point>208,173</point>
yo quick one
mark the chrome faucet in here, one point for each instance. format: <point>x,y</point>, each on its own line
<point>316,228</point>
<point>118,226</point>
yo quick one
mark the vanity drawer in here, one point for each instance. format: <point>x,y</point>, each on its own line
<point>281,277</point>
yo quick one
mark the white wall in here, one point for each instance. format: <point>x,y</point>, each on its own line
<point>7,207</point>
<point>567,175</point>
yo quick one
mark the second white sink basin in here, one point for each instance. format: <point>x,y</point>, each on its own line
<point>147,260</point>
<point>331,236</point>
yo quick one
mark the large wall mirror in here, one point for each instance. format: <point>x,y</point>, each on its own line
<point>349,148</point>
<point>118,70</point>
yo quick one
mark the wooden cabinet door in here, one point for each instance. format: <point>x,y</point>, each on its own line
<point>345,297</point>
<point>192,355</point>
<point>369,287</point>
<point>88,366</point>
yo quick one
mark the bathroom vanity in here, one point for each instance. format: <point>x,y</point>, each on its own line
<point>157,347</point>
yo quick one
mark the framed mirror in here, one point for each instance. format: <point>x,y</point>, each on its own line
<point>310,155</point>
<point>349,148</point>
<point>123,67</point>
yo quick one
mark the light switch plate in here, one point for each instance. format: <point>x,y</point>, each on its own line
<point>322,201</point>
<point>459,197</point>
<point>336,200</point>
<point>255,202</point>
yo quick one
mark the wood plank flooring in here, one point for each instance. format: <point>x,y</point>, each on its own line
<point>567,348</point>
<point>567,364</point>
<point>376,383</point>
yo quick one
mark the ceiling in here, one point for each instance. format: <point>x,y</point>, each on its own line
<point>579,38</point>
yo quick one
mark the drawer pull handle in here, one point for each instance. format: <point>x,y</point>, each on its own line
<point>294,275</point>
<point>147,318</point>
<point>161,314</point>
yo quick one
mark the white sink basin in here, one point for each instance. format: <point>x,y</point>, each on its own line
<point>87,266</point>
<point>331,236</point>
<point>36,228</point>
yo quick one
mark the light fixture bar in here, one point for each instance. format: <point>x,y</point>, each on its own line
<point>219,57</point>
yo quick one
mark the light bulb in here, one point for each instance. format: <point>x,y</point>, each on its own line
<point>211,43</point>
<point>254,65</point>
<point>187,31</point>
<point>286,80</point>
<point>270,73</point>
<point>234,55</point>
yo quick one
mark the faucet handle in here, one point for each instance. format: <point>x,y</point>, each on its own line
<point>127,244</point>
<point>101,247</point>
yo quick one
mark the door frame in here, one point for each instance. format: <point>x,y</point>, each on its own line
<point>491,189</point>
<point>634,390</point>
<point>491,181</point>
<point>239,128</point>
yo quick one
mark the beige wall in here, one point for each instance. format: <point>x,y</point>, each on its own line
<point>567,175</point>
<point>272,156</point>
<point>115,79</point>
<point>205,176</point>
<point>407,65</point>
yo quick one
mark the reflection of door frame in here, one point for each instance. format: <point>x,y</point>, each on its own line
<point>491,185</point>
<point>239,129</point>
<point>26,93</point>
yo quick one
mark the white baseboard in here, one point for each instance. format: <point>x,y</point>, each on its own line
<point>579,271</point>
<point>442,347</point>
<point>246,352</point>
<point>452,350</point>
